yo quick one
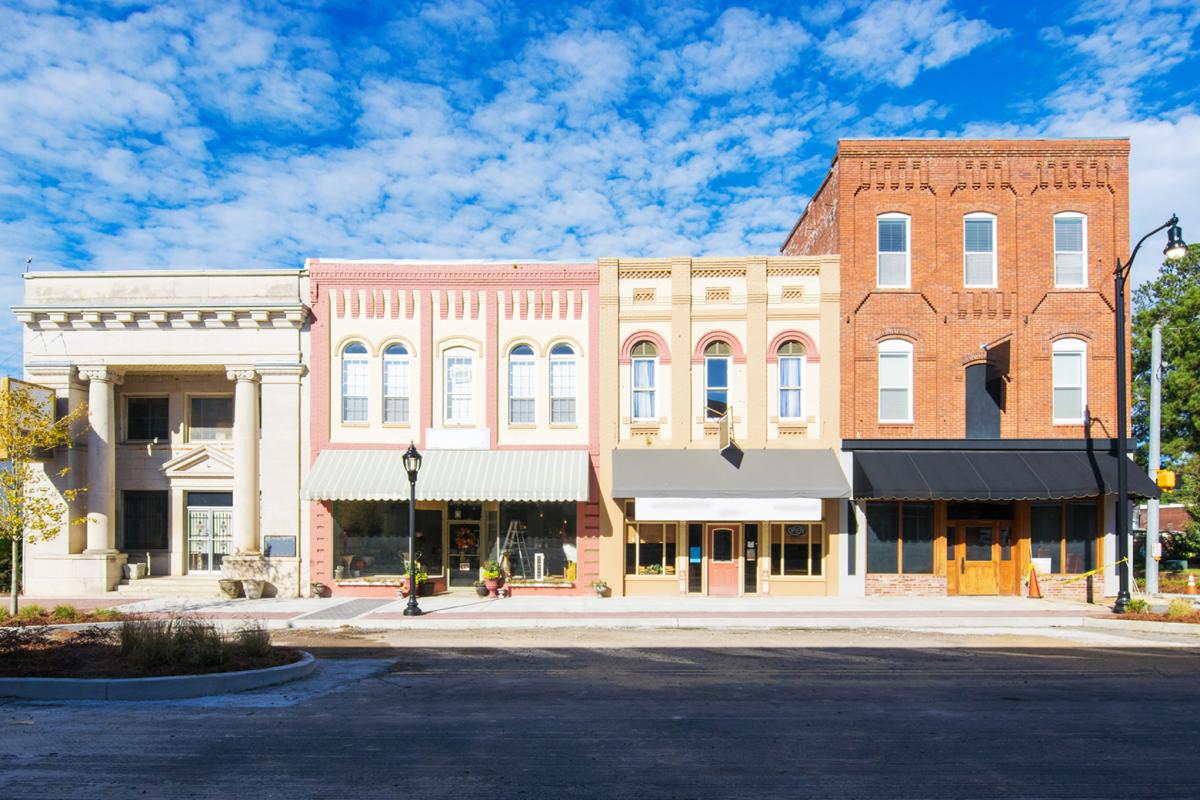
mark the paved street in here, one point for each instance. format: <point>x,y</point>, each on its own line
<point>648,714</point>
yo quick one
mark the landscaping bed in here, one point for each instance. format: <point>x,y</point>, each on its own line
<point>1179,610</point>
<point>137,648</point>
<point>59,615</point>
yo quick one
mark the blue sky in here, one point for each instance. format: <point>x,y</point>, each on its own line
<point>225,135</point>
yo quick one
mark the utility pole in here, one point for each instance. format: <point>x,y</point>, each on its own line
<point>1155,455</point>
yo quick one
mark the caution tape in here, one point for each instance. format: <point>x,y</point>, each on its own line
<point>1074,578</point>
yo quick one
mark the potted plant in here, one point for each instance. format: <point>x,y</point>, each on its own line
<point>493,576</point>
<point>601,588</point>
<point>252,587</point>
<point>422,578</point>
<point>230,587</point>
<point>480,589</point>
<point>318,589</point>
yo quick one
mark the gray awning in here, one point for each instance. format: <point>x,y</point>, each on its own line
<point>991,475</point>
<point>705,473</point>
<point>472,475</point>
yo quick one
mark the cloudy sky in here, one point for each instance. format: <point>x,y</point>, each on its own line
<point>223,135</point>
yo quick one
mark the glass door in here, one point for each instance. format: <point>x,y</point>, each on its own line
<point>978,558</point>
<point>210,538</point>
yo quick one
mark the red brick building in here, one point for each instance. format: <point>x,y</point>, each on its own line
<point>977,355</point>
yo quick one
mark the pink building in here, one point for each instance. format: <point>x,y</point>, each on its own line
<point>490,369</point>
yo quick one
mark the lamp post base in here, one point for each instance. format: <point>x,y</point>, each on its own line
<point>412,610</point>
<point>1122,604</point>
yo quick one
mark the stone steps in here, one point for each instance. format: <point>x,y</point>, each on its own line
<point>170,586</point>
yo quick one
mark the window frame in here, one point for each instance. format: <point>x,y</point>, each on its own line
<point>727,357</point>
<point>1094,541</point>
<point>890,348</point>
<point>397,360</point>
<point>1083,270</point>
<point>163,495</point>
<point>633,530</point>
<point>780,388</point>
<point>907,219</point>
<point>976,216</point>
<point>349,359</point>
<point>816,531</point>
<point>561,359</point>
<point>652,390</point>
<point>456,354</point>
<point>900,538</point>
<point>126,438</point>
<point>527,358</point>
<point>1069,345</point>
<point>187,410</point>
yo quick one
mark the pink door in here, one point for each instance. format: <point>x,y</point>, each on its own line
<point>723,547</point>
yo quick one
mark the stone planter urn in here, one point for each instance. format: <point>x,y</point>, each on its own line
<point>253,587</point>
<point>230,588</point>
<point>318,589</point>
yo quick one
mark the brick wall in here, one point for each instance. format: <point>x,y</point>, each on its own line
<point>1057,587</point>
<point>1024,183</point>
<point>912,585</point>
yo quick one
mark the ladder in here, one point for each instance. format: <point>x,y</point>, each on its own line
<point>514,543</point>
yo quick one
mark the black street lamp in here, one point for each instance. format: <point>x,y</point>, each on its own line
<point>412,465</point>
<point>1175,250</point>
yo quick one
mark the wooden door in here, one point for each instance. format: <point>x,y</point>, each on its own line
<point>724,544</point>
<point>978,559</point>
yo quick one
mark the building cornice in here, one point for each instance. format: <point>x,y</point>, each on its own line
<point>162,316</point>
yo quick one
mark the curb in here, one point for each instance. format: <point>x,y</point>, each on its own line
<point>171,687</point>
<point>1185,628</point>
<point>717,622</point>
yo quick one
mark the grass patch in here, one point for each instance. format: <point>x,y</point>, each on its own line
<point>1179,609</point>
<point>1137,606</point>
<point>64,613</point>
<point>33,614</point>
<point>30,612</point>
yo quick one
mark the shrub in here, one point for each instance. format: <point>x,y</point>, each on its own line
<point>107,614</point>
<point>31,612</point>
<point>1180,608</point>
<point>1137,607</point>
<point>156,643</point>
<point>254,641</point>
<point>64,613</point>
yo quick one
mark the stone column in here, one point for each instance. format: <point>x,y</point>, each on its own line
<point>245,460</point>
<point>101,459</point>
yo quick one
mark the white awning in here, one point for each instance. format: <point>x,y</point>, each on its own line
<point>471,475</point>
<point>726,509</point>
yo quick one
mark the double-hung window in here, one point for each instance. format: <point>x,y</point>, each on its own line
<point>893,260</point>
<point>791,381</point>
<point>147,419</point>
<point>895,381</point>
<point>979,250</point>
<point>395,384</point>
<point>716,380</point>
<point>354,382</point>
<point>522,385</point>
<point>460,372</point>
<point>1070,250</point>
<point>644,364</point>
<point>563,368</point>
<point>1070,381</point>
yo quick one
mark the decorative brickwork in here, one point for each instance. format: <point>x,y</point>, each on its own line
<point>906,585</point>
<point>1063,587</point>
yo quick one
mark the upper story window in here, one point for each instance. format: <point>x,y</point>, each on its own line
<point>522,385</point>
<point>563,384</point>
<point>354,382</point>
<point>146,419</point>
<point>716,380</point>
<point>644,362</point>
<point>895,381</point>
<point>791,380</point>
<point>893,260</point>
<point>979,250</point>
<point>460,386</point>
<point>1070,250</point>
<point>210,418</point>
<point>396,366</point>
<point>1070,381</point>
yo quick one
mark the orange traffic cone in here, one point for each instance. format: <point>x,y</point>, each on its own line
<point>1035,591</point>
<point>1191,585</point>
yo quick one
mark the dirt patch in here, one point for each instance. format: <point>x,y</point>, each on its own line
<point>1192,619</point>
<point>63,615</point>
<point>95,653</point>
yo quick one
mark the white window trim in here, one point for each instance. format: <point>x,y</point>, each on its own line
<point>907,251</point>
<point>561,358</point>
<point>894,346</point>
<point>1070,345</point>
<point>779,388</point>
<point>634,388</point>
<point>406,360</point>
<point>513,360</point>
<point>727,388</point>
<point>347,359</point>
<point>977,215</point>
<point>447,394</point>
<point>1054,266</point>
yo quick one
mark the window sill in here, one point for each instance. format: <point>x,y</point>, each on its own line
<point>896,424</point>
<point>1064,422</point>
<point>651,578</point>
<point>797,578</point>
<point>564,425</point>
<point>980,286</point>
<point>893,288</point>
<point>345,424</point>
<point>522,426</point>
<point>397,425</point>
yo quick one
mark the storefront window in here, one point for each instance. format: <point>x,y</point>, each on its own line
<point>796,548</point>
<point>650,548</point>
<point>548,531</point>
<point>1064,533</point>
<point>371,538</point>
<point>883,537</point>
<point>900,538</point>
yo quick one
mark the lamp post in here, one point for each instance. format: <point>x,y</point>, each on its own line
<point>1175,250</point>
<point>412,465</point>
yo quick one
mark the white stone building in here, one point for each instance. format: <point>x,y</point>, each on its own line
<point>185,375</point>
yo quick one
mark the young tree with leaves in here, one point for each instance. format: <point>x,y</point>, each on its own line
<point>32,508</point>
<point>1172,299</point>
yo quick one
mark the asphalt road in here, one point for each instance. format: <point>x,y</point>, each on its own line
<point>895,719</point>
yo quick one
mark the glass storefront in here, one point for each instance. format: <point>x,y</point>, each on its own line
<point>541,539</point>
<point>371,538</point>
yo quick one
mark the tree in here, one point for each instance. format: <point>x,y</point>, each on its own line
<point>32,508</point>
<point>1172,299</point>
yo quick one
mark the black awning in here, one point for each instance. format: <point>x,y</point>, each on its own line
<point>991,475</point>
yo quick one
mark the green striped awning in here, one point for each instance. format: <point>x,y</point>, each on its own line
<point>468,475</point>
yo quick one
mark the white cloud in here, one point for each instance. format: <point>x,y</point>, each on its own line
<point>741,51</point>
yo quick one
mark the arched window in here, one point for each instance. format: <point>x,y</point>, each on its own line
<point>979,250</point>
<point>354,382</point>
<point>562,384</point>
<point>1070,250</point>
<point>522,385</point>
<point>791,380</point>
<point>395,383</point>
<point>893,259</point>
<point>895,381</point>
<point>716,380</point>
<point>644,362</point>
<point>460,386</point>
<point>1070,381</point>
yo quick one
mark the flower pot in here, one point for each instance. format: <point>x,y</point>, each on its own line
<point>318,589</point>
<point>425,589</point>
<point>253,587</point>
<point>230,588</point>
<point>491,584</point>
<point>482,591</point>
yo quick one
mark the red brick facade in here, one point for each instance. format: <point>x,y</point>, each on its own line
<point>936,182</point>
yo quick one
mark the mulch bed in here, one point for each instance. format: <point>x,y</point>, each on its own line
<point>47,618</point>
<point>1193,618</point>
<point>93,654</point>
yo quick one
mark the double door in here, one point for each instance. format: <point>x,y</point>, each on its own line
<point>210,538</point>
<point>980,558</point>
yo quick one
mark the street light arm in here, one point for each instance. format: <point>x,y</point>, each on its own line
<point>1124,268</point>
